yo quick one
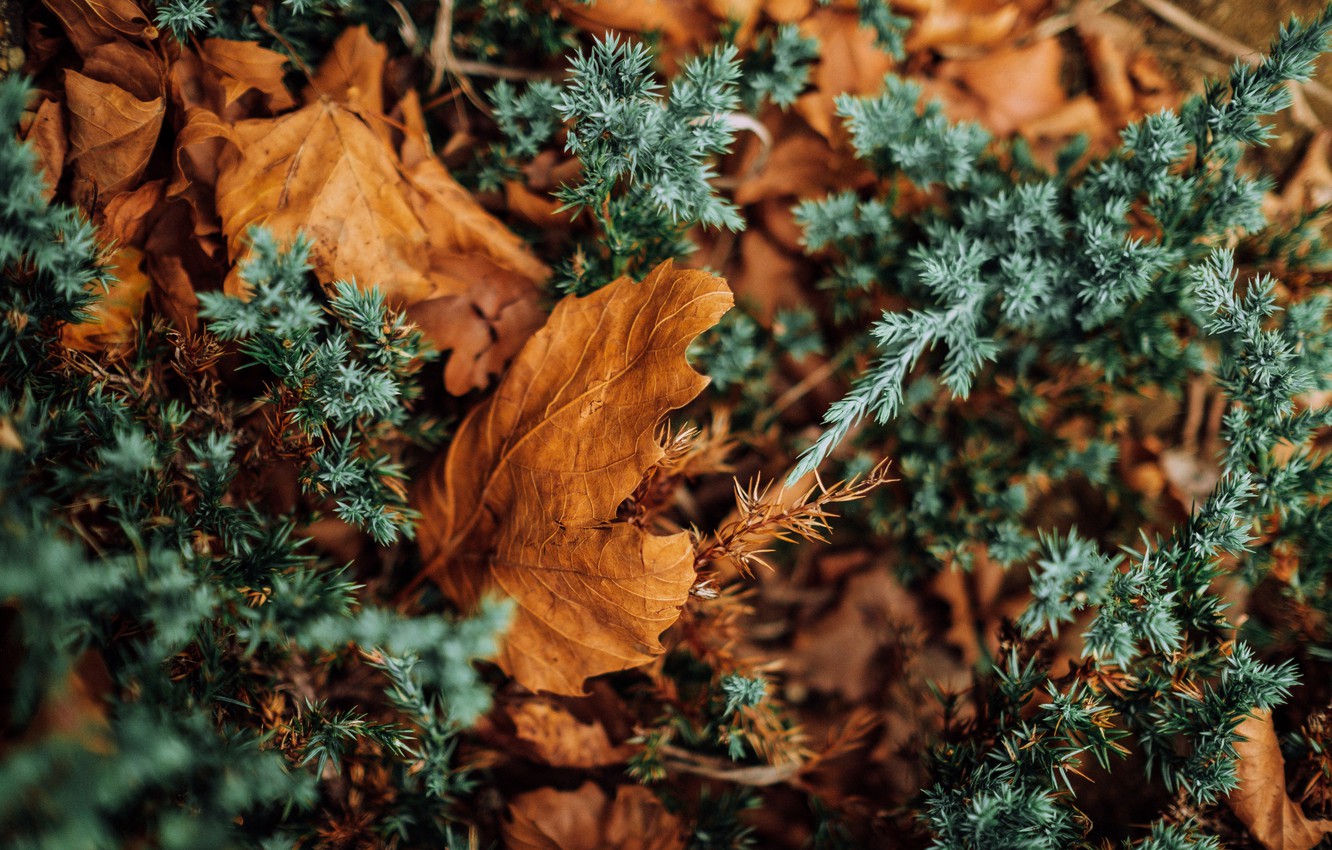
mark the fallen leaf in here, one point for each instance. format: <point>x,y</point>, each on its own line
<point>485,281</point>
<point>850,62</point>
<point>92,22</point>
<point>321,170</point>
<point>561,740</point>
<point>681,25</point>
<point>802,165</point>
<point>459,225</point>
<point>1081,115</point>
<point>1108,58</point>
<point>586,819</point>
<point>481,328</point>
<point>116,313</point>
<point>1261,801</point>
<point>1311,184</point>
<point>129,216</point>
<point>769,277</point>
<point>381,216</point>
<point>788,11</point>
<point>1017,85</point>
<point>134,68</point>
<point>352,74</point>
<point>45,133</point>
<point>111,134</point>
<point>948,25</point>
<point>236,68</point>
<point>835,653</point>
<point>526,500</point>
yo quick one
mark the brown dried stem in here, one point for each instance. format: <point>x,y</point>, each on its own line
<point>762,519</point>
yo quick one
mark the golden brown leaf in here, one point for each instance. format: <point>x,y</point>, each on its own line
<point>132,67</point>
<point>585,819</point>
<point>111,133</point>
<point>484,326</point>
<point>1017,85</point>
<point>46,134</point>
<point>680,24</point>
<point>235,68</point>
<point>850,62</point>
<point>353,73</point>
<point>117,311</point>
<point>949,25</point>
<point>393,218</point>
<point>92,22</point>
<point>561,740</point>
<point>322,170</point>
<point>525,501</point>
<point>1260,801</point>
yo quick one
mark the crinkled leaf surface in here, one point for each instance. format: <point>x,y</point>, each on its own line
<point>547,819</point>
<point>525,501</point>
<point>1261,801</point>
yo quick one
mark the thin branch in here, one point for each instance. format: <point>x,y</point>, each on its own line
<point>1217,40</point>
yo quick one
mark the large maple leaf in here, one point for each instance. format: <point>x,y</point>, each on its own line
<point>526,500</point>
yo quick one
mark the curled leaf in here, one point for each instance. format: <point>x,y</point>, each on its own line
<point>526,500</point>
<point>1260,801</point>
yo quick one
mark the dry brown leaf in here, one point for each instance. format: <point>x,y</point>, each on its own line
<point>92,22</point>
<point>835,653</point>
<point>1108,57</point>
<point>1260,801</point>
<point>111,134</point>
<point>458,224</point>
<point>45,132</point>
<point>136,69</point>
<point>235,68</point>
<point>788,11</point>
<point>393,218</point>
<point>1311,184</point>
<point>586,819</point>
<point>850,62</point>
<point>681,24</point>
<point>116,313</point>
<point>526,500</point>
<point>561,740</point>
<point>129,216</point>
<point>353,73</point>
<point>948,25</point>
<point>1017,85</point>
<point>769,277</point>
<point>483,326</point>
<point>802,165</point>
<point>322,170</point>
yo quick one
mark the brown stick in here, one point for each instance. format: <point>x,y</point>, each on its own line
<point>1191,26</point>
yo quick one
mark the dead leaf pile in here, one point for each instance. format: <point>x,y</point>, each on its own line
<point>360,178</point>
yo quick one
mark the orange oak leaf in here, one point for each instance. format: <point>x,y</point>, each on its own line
<point>1260,801</point>
<point>526,500</point>
<point>111,135</point>
<point>547,819</point>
